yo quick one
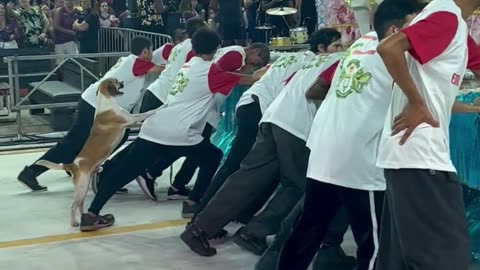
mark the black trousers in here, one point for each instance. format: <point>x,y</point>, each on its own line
<point>322,202</point>
<point>277,157</point>
<point>142,154</point>
<point>424,224</point>
<point>247,118</point>
<point>334,237</point>
<point>189,166</point>
<point>70,146</point>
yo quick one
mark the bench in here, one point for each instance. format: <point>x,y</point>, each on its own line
<point>68,90</point>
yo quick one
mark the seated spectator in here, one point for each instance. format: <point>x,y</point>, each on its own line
<point>87,27</point>
<point>9,32</point>
<point>33,23</point>
<point>107,16</point>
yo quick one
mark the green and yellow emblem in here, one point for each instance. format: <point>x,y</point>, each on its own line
<point>285,61</point>
<point>353,79</point>
<point>179,85</point>
<point>173,54</point>
<point>316,62</point>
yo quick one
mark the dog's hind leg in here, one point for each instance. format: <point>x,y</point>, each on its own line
<point>81,188</point>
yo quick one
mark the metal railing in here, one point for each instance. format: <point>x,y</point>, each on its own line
<point>14,80</point>
<point>114,39</point>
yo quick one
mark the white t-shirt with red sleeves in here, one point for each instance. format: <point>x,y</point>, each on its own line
<point>276,77</point>
<point>437,63</point>
<point>179,55</point>
<point>131,70</point>
<point>182,122</point>
<point>346,131</point>
<point>160,55</point>
<point>291,110</point>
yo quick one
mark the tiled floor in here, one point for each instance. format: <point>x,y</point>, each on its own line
<point>35,231</point>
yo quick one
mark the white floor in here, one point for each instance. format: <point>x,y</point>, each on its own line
<point>35,231</point>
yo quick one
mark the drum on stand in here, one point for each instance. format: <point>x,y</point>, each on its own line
<point>299,35</point>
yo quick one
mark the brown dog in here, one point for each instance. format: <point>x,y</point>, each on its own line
<point>107,131</point>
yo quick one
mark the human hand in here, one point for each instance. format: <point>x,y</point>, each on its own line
<point>42,36</point>
<point>410,118</point>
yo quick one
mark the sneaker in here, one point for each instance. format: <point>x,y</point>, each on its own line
<point>222,234</point>
<point>333,257</point>
<point>148,186</point>
<point>188,211</point>
<point>92,223</point>
<point>178,193</point>
<point>28,178</point>
<point>251,243</point>
<point>197,240</point>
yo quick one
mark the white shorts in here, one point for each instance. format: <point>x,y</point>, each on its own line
<point>66,48</point>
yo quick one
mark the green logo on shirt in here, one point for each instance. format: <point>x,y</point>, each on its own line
<point>179,85</point>
<point>316,62</point>
<point>173,54</point>
<point>353,78</point>
<point>285,61</point>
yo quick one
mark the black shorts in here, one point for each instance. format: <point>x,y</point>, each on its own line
<point>232,31</point>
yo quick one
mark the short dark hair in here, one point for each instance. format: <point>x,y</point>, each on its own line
<point>325,37</point>
<point>205,41</point>
<point>393,12</point>
<point>263,51</point>
<point>193,24</point>
<point>139,44</point>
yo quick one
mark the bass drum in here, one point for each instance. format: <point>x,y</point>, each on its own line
<point>299,35</point>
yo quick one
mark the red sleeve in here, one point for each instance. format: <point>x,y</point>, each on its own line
<point>190,55</point>
<point>167,49</point>
<point>431,36</point>
<point>221,81</point>
<point>231,61</point>
<point>141,67</point>
<point>328,73</point>
<point>473,55</point>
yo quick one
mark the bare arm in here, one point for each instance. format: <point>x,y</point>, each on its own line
<point>157,69</point>
<point>46,24</point>
<point>57,26</point>
<point>319,89</point>
<point>459,107</point>
<point>81,26</point>
<point>159,6</point>
<point>269,4</point>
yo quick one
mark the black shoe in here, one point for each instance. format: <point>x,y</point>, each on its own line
<point>178,193</point>
<point>333,258</point>
<point>28,178</point>
<point>222,234</point>
<point>245,240</point>
<point>92,223</point>
<point>188,211</point>
<point>148,186</point>
<point>197,240</point>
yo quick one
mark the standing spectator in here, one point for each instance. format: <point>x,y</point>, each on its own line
<point>63,24</point>
<point>33,23</point>
<point>251,8</point>
<point>51,30</point>
<point>9,32</point>
<point>87,27</point>
<point>230,21</point>
<point>107,16</point>
<point>150,12</point>
<point>187,9</point>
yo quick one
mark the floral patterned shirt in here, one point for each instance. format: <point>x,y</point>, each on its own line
<point>148,13</point>
<point>31,22</point>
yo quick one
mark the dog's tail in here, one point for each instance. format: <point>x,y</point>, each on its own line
<point>57,166</point>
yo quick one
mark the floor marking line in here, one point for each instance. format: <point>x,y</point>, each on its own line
<point>22,151</point>
<point>85,235</point>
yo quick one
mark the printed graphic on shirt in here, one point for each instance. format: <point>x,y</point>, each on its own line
<point>174,54</point>
<point>317,62</point>
<point>118,63</point>
<point>285,62</point>
<point>180,84</point>
<point>353,79</point>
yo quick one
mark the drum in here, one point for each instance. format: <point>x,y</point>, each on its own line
<point>299,35</point>
<point>265,32</point>
<point>280,41</point>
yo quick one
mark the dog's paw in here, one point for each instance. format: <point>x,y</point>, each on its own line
<point>75,224</point>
